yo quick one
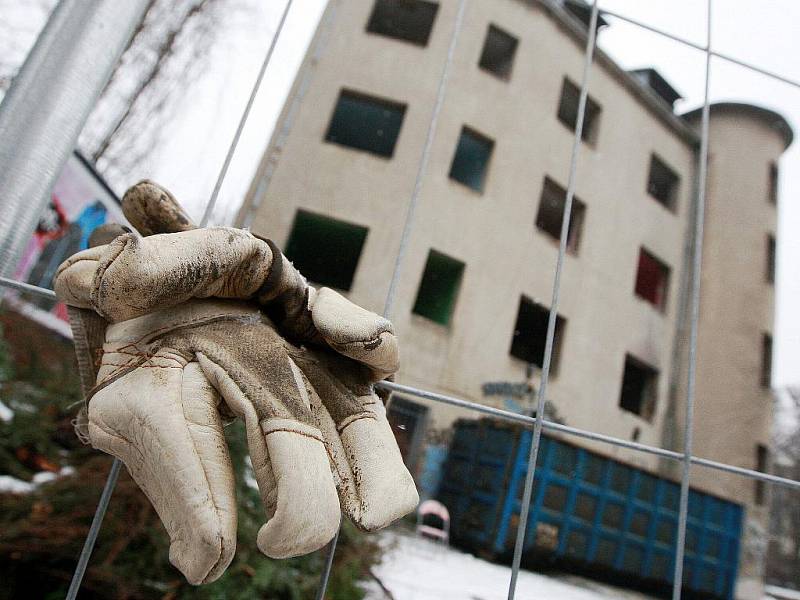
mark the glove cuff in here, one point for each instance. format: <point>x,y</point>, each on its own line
<point>88,332</point>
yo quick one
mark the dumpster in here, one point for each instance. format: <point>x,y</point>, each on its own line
<point>588,512</point>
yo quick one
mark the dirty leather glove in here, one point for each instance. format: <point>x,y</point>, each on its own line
<point>174,352</point>
<point>313,425</point>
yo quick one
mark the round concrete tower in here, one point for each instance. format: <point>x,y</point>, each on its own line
<point>733,409</point>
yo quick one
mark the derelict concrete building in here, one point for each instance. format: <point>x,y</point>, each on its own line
<point>475,286</point>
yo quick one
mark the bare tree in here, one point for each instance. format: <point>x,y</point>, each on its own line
<point>20,23</point>
<point>783,554</point>
<point>167,53</point>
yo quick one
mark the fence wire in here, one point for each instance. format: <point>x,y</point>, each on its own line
<point>94,529</point>
<point>694,293</point>
<point>207,213</point>
<point>108,490</point>
<point>726,57</point>
<point>409,220</point>
<point>541,394</point>
<point>527,421</point>
<point>538,422</point>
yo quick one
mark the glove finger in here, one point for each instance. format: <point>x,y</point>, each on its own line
<point>356,333</point>
<point>291,467</point>
<point>152,209</point>
<point>375,487</point>
<point>74,278</point>
<point>161,420</point>
<point>135,276</point>
<point>106,233</point>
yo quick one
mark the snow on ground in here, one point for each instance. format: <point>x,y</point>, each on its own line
<point>12,485</point>
<point>418,569</point>
<point>778,593</point>
<point>6,414</point>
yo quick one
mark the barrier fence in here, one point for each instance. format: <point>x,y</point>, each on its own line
<point>27,171</point>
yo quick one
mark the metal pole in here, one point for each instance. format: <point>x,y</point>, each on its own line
<point>209,210</point>
<point>726,57</point>
<point>47,105</point>
<point>409,220</point>
<point>551,322</point>
<point>94,530</point>
<point>408,224</point>
<point>40,119</point>
<point>326,570</point>
<point>697,263</point>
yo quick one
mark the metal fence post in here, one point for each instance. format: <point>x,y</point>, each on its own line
<point>41,118</point>
<point>47,105</point>
<point>408,225</point>
<point>541,397</point>
<point>694,306</point>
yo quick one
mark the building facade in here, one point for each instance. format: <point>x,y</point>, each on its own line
<point>334,185</point>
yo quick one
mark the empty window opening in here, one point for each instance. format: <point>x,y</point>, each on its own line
<point>773,183</point>
<point>325,250</point>
<point>639,388</point>
<point>366,123</point>
<point>407,20</point>
<point>770,259</point>
<point>652,280</point>
<point>766,360</point>
<point>471,159</point>
<point>762,458</point>
<point>662,183</point>
<point>438,290</point>
<point>499,49</point>
<point>530,334</point>
<point>568,111</point>
<point>550,216</point>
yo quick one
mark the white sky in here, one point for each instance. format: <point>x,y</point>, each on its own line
<point>762,32</point>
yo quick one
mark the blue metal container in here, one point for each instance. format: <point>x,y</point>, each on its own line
<point>587,511</point>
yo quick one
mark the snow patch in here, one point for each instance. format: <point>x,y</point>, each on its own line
<point>12,485</point>
<point>778,593</point>
<point>418,569</point>
<point>249,474</point>
<point>6,414</point>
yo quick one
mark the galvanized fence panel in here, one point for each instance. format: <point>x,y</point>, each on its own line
<point>65,44</point>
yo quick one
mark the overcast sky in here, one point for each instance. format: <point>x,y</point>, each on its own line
<point>757,31</point>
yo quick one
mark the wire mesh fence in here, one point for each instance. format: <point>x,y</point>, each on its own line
<point>537,423</point>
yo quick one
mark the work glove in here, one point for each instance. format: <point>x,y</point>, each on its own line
<point>182,328</point>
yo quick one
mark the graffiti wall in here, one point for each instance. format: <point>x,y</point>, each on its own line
<point>81,201</point>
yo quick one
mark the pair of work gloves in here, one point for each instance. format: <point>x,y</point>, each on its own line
<point>180,329</point>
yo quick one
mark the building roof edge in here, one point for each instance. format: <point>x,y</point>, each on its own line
<point>774,119</point>
<point>643,94</point>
